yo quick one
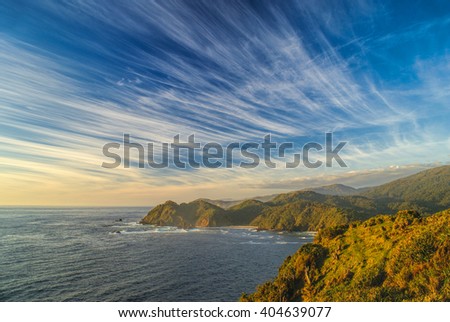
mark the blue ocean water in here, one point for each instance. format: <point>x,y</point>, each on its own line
<point>78,254</point>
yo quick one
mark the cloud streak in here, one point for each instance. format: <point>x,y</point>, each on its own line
<point>78,74</point>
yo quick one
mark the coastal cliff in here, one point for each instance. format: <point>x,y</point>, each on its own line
<point>385,258</point>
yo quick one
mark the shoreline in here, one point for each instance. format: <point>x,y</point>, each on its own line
<point>238,227</point>
<point>234,227</point>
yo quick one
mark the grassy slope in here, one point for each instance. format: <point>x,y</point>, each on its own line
<point>386,258</point>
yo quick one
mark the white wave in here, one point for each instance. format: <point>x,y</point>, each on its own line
<point>155,230</point>
<point>137,232</point>
<point>252,242</point>
<point>134,223</point>
<point>118,232</point>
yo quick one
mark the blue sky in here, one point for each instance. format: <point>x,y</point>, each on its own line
<point>78,74</point>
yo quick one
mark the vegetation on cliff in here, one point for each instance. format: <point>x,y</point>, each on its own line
<point>198,213</point>
<point>307,210</point>
<point>404,257</point>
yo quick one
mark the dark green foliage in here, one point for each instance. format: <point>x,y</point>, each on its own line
<point>245,212</point>
<point>311,211</point>
<point>405,218</point>
<point>300,215</point>
<point>423,247</point>
<point>331,232</point>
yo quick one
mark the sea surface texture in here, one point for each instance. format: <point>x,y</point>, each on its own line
<point>87,254</point>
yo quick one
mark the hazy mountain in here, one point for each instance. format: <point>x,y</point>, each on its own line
<point>335,190</point>
<point>225,204</point>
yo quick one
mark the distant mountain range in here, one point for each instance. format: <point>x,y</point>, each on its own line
<point>334,189</point>
<point>315,208</point>
<point>337,190</point>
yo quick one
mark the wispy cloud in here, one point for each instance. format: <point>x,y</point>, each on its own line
<point>77,74</point>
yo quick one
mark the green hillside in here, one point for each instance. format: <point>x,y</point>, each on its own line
<point>300,215</point>
<point>427,191</point>
<point>308,210</point>
<point>198,213</point>
<point>386,258</point>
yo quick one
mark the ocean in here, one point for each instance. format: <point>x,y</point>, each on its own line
<point>87,254</point>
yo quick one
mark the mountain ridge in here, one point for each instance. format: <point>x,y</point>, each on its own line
<point>336,189</point>
<point>427,191</point>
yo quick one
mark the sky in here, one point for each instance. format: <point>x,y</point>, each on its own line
<point>75,75</point>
